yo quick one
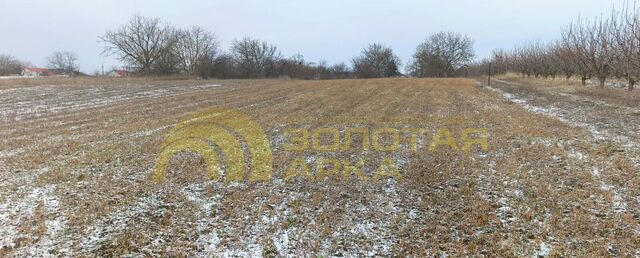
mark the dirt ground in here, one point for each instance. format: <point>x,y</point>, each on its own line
<point>560,176</point>
<point>610,114</point>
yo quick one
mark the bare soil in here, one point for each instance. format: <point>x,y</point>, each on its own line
<point>76,160</point>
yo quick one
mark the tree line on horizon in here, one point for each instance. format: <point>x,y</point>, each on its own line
<point>600,49</point>
<point>152,47</point>
<point>64,61</point>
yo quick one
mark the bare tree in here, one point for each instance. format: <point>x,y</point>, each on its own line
<point>592,44</point>
<point>340,71</point>
<point>520,63</point>
<point>193,45</point>
<point>295,67</point>
<point>376,61</point>
<point>204,67</point>
<point>63,60</point>
<point>168,63</point>
<point>255,58</point>
<point>224,66</point>
<point>576,55</point>
<point>323,71</point>
<point>531,56</point>
<point>141,42</point>
<point>9,65</point>
<point>500,61</point>
<point>561,57</point>
<point>541,60</point>
<point>442,55</point>
<point>626,33</point>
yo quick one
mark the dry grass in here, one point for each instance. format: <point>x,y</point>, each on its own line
<point>620,96</point>
<point>528,192</point>
<point>87,81</point>
<point>12,83</point>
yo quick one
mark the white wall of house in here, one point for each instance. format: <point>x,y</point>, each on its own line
<point>32,74</point>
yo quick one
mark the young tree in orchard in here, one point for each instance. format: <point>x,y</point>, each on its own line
<point>562,59</point>
<point>593,47</point>
<point>626,34</point>
<point>500,61</point>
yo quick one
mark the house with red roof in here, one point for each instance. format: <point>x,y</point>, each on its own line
<point>119,73</point>
<point>33,72</point>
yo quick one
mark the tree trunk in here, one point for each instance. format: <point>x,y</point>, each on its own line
<point>584,81</point>
<point>602,80</point>
<point>632,83</point>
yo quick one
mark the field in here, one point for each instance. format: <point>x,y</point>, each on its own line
<point>559,177</point>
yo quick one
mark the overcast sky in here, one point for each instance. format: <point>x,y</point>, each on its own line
<point>331,30</point>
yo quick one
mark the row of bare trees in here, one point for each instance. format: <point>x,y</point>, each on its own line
<point>253,58</point>
<point>65,62</point>
<point>599,49</point>
<point>151,47</point>
<point>154,47</point>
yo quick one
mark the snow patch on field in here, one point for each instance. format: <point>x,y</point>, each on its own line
<point>600,135</point>
<point>264,233</point>
<point>40,205</point>
<point>106,228</point>
<point>543,251</point>
<point>11,152</point>
<point>208,240</point>
<point>55,99</point>
<point>149,131</point>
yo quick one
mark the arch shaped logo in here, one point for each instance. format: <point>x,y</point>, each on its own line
<point>238,139</point>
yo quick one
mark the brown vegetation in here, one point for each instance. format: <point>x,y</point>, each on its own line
<point>87,150</point>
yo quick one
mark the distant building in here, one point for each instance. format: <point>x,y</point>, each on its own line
<point>33,72</point>
<point>119,73</point>
<point>61,73</point>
